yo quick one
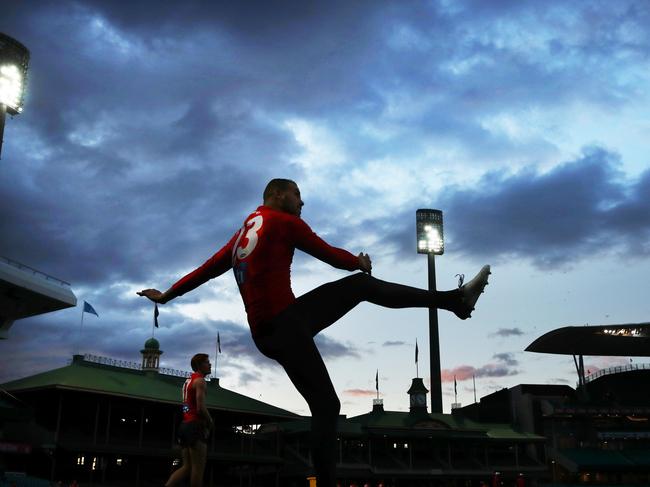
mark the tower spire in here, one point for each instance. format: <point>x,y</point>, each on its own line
<point>151,355</point>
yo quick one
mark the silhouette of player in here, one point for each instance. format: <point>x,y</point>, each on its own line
<point>282,326</point>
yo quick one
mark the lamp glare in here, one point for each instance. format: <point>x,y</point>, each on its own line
<point>11,86</point>
<point>430,238</point>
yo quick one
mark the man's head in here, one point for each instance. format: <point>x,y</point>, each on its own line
<point>283,195</point>
<point>201,363</point>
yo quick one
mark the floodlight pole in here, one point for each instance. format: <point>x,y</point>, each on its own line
<point>3,114</point>
<point>434,343</point>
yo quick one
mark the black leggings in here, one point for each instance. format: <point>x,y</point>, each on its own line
<point>289,339</point>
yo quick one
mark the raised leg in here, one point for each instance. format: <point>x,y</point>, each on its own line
<point>326,304</point>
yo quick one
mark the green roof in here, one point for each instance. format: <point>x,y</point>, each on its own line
<point>152,343</point>
<point>603,459</point>
<point>434,424</point>
<point>506,432</point>
<point>445,424</point>
<point>87,376</point>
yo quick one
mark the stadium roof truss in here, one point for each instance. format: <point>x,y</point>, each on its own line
<point>624,340</point>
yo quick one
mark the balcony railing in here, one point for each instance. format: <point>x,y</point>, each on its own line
<point>34,272</point>
<point>125,364</point>
<point>616,370</point>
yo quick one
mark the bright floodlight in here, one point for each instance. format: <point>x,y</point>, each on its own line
<point>11,86</point>
<point>429,232</point>
<point>14,58</point>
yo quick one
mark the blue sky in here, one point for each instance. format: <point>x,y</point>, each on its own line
<point>150,130</point>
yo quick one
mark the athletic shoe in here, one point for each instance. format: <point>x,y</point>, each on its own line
<point>470,293</point>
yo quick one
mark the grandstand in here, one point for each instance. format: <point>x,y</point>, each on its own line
<point>25,291</point>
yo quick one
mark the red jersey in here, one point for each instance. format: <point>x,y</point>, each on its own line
<point>190,411</point>
<point>260,254</point>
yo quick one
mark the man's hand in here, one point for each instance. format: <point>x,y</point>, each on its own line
<point>154,295</point>
<point>365,264</point>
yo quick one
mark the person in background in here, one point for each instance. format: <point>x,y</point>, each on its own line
<point>195,428</point>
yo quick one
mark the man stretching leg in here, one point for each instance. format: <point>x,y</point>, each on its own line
<point>283,327</point>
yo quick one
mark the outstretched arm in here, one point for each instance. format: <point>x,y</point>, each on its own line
<point>211,268</point>
<point>307,241</point>
<point>155,295</point>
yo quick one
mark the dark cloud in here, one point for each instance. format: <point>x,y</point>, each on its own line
<point>506,358</point>
<point>87,234</point>
<point>504,366</point>
<point>338,58</point>
<point>143,137</point>
<point>120,332</point>
<point>150,130</point>
<point>331,348</point>
<point>552,218</point>
<point>116,155</point>
<point>506,332</point>
<point>578,209</point>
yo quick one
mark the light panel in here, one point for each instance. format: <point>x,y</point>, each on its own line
<point>11,87</point>
<point>429,232</point>
<point>14,60</point>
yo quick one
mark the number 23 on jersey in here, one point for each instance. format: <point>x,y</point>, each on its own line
<point>249,232</point>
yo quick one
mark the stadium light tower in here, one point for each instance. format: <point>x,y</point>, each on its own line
<point>14,59</point>
<point>430,241</point>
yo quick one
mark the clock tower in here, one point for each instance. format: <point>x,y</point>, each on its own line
<point>418,395</point>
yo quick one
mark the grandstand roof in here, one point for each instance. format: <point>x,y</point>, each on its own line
<point>82,375</point>
<point>576,459</point>
<point>409,424</point>
<point>453,424</point>
<point>627,340</point>
<point>25,292</point>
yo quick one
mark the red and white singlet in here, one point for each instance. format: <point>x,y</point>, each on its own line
<point>190,411</point>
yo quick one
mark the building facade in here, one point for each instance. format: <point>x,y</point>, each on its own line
<point>418,448</point>
<point>104,421</point>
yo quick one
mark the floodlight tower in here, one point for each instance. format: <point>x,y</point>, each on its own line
<point>14,59</point>
<point>430,241</point>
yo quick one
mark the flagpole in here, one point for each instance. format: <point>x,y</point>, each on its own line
<point>377,384</point>
<point>474,381</point>
<point>217,351</point>
<point>417,367</point>
<point>81,325</point>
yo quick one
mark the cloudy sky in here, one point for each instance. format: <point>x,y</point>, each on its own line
<point>151,128</point>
